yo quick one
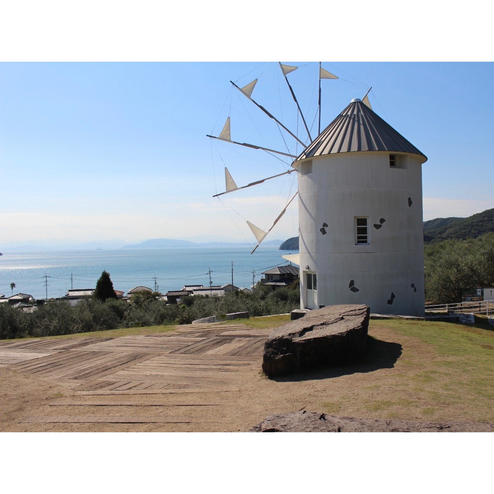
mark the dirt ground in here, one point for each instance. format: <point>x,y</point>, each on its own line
<point>208,378</point>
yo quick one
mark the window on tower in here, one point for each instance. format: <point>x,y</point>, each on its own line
<point>361,230</point>
<point>397,161</point>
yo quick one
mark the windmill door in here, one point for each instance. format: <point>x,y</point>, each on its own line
<point>310,290</point>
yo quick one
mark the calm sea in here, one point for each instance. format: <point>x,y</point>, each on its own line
<point>172,268</point>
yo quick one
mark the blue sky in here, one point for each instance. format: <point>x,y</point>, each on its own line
<point>116,152</point>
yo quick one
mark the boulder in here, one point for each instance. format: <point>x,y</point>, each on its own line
<point>204,320</point>
<point>298,313</point>
<point>305,421</point>
<point>333,335</point>
<point>237,315</point>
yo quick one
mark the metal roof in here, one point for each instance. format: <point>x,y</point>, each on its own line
<point>288,269</point>
<point>357,128</point>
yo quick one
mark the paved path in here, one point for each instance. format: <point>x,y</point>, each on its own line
<point>176,380</point>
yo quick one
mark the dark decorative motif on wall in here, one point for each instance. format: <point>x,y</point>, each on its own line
<point>391,298</point>
<point>352,286</point>
<point>410,202</point>
<point>323,229</point>
<point>414,288</point>
<point>381,223</point>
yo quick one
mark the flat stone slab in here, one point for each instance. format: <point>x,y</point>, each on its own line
<point>333,335</point>
<point>305,421</point>
<point>237,315</point>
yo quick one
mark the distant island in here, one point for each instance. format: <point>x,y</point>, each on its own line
<point>440,229</point>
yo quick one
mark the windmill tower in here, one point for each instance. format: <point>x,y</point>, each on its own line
<point>360,216</point>
<point>360,210</point>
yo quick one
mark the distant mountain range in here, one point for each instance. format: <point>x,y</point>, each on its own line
<point>155,243</point>
<point>440,229</point>
<point>168,243</point>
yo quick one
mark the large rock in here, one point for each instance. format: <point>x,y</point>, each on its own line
<point>332,335</point>
<point>305,421</point>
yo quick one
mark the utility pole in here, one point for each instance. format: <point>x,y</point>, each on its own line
<point>46,286</point>
<point>232,273</point>
<point>156,286</point>
<point>253,278</point>
<point>71,281</point>
<point>210,280</point>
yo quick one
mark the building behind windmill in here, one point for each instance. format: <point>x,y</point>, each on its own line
<point>360,216</point>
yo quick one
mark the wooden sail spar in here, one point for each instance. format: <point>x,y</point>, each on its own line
<point>261,234</point>
<point>231,186</point>
<point>286,69</point>
<point>247,94</point>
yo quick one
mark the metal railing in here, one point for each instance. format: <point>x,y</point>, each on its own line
<point>478,307</point>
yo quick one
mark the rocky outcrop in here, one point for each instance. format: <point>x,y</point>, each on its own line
<point>304,421</point>
<point>332,335</point>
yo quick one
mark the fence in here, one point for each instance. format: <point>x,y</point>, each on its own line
<point>481,307</point>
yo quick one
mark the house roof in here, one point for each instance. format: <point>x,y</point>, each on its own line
<point>81,292</point>
<point>357,128</point>
<point>138,289</point>
<point>288,269</point>
<point>20,296</point>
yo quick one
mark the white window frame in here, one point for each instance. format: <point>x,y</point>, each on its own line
<point>356,232</point>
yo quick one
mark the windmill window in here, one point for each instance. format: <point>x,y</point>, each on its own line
<point>311,281</point>
<point>361,230</point>
<point>396,161</point>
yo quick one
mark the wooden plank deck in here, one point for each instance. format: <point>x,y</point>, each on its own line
<point>138,380</point>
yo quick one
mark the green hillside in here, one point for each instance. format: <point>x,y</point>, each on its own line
<point>459,228</point>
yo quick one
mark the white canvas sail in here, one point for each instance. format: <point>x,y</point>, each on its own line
<point>287,68</point>
<point>366,102</point>
<point>248,88</point>
<point>258,233</point>
<point>225,133</point>
<point>229,182</point>
<point>324,74</point>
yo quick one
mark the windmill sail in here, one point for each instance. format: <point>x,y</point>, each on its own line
<point>230,184</point>
<point>225,133</point>
<point>324,74</point>
<point>247,91</point>
<point>248,88</point>
<point>253,146</point>
<point>234,187</point>
<point>365,99</point>
<point>287,68</point>
<point>278,218</point>
<point>258,233</point>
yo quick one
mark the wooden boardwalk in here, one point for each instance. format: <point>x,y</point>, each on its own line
<point>154,382</point>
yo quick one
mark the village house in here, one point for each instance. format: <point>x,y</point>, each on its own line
<point>139,289</point>
<point>175,296</point>
<point>280,276</point>
<point>73,297</point>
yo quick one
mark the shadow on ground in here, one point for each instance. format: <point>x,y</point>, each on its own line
<point>380,355</point>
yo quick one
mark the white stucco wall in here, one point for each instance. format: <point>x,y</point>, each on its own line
<point>341,187</point>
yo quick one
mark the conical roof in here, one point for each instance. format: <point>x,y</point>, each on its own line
<point>357,128</point>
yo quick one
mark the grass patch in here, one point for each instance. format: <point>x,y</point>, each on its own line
<point>262,322</point>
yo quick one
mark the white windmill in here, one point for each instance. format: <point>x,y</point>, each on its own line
<point>360,209</point>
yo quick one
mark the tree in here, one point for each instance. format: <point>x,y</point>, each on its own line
<point>104,288</point>
<point>12,286</point>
